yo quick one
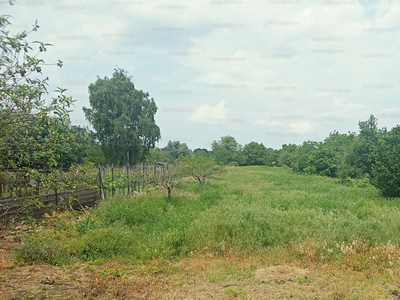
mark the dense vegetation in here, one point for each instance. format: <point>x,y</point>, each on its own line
<point>246,210</point>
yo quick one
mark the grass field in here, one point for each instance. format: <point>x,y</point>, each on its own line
<point>244,220</point>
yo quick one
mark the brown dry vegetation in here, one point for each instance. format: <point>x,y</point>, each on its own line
<point>273,276</point>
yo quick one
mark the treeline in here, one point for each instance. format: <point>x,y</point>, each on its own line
<point>372,155</point>
<point>36,133</point>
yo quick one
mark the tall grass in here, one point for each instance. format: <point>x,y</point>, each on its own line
<point>246,210</point>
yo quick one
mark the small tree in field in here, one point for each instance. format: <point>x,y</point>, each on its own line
<point>167,176</point>
<point>199,167</point>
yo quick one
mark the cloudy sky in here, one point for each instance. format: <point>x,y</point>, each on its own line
<point>270,71</point>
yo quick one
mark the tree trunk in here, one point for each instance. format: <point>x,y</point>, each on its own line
<point>203,179</point>
<point>169,194</point>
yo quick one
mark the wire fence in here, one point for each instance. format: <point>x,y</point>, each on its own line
<point>125,180</point>
<point>29,193</point>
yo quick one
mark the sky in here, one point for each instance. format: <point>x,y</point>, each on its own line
<point>269,71</point>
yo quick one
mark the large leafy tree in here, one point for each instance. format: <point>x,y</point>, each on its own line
<point>255,154</point>
<point>29,135</point>
<point>202,152</point>
<point>84,147</point>
<point>176,149</point>
<point>325,158</point>
<point>227,151</point>
<point>123,118</point>
<point>360,158</point>
<point>288,155</point>
<point>386,169</point>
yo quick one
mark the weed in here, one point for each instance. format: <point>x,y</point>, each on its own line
<point>114,272</point>
<point>304,279</point>
<point>232,292</point>
<point>84,225</point>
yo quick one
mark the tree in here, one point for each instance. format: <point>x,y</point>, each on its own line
<point>176,149</point>
<point>287,155</point>
<point>324,161</point>
<point>202,152</point>
<point>167,176</point>
<point>254,154</point>
<point>305,164</point>
<point>360,157</point>
<point>342,146</point>
<point>29,122</point>
<point>156,155</point>
<point>85,148</point>
<point>123,118</point>
<point>199,167</point>
<point>386,170</point>
<point>316,158</point>
<point>226,151</point>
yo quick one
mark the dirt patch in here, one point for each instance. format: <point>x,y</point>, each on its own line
<point>281,274</point>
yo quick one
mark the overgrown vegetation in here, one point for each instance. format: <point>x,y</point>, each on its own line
<point>248,210</point>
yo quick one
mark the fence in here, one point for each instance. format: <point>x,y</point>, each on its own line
<point>20,183</point>
<point>32,193</point>
<point>37,206</point>
<point>127,179</point>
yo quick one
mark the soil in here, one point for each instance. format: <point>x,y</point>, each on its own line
<point>204,277</point>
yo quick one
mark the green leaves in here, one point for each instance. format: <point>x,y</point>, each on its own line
<point>199,167</point>
<point>386,170</point>
<point>123,118</point>
<point>28,136</point>
<point>226,150</point>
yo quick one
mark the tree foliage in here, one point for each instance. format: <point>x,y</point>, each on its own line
<point>175,150</point>
<point>255,154</point>
<point>123,118</point>
<point>360,158</point>
<point>29,135</point>
<point>198,166</point>
<point>386,169</point>
<point>227,151</point>
<point>287,155</point>
<point>202,152</point>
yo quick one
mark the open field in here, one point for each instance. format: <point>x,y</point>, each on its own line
<point>250,233</point>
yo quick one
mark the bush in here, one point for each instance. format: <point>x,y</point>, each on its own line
<point>386,170</point>
<point>41,248</point>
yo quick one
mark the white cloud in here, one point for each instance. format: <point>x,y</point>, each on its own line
<point>210,114</point>
<point>261,122</point>
<point>264,123</point>
<point>391,109</point>
<point>301,127</point>
<point>347,106</point>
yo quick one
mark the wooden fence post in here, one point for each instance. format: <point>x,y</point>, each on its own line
<point>103,194</point>
<point>127,178</point>
<point>112,180</point>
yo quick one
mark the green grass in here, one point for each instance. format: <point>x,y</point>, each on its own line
<point>246,210</point>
